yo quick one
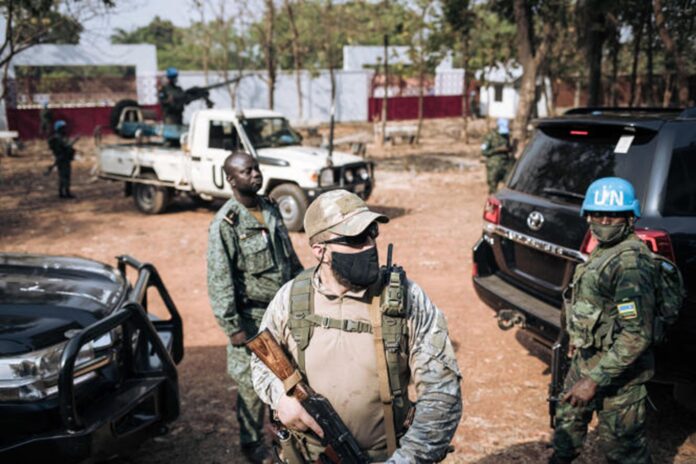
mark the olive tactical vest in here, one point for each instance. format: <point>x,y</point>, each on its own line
<point>394,330</point>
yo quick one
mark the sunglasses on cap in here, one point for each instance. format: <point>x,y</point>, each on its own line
<point>371,232</point>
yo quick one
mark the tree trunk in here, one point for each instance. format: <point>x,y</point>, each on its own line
<point>466,108</point>
<point>671,49</point>
<point>296,57</point>
<point>530,62</point>
<point>637,37</point>
<point>270,51</point>
<point>650,94</point>
<point>595,44</point>
<point>614,93</point>
<point>385,98</point>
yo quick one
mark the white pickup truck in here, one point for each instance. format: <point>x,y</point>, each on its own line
<point>293,174</point>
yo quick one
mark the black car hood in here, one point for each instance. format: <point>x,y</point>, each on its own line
<point>42,297</point>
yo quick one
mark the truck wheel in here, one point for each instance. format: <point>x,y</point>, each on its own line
<point>292,203</point>
<point>150,199</point>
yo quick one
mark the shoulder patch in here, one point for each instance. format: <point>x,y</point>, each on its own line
<point>627,310</point>
<point>230,217</point>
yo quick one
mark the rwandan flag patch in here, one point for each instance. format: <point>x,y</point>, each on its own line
<point>627,310</point>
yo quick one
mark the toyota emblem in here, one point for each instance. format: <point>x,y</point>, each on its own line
<point>535,220</point>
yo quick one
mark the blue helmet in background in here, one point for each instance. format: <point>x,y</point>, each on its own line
<point>611,194</point>
<point>503,126</point>
<point>172,72</point>
<point>59,124</point>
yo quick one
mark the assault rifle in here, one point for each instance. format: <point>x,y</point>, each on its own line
<point>559,368</point>
<point>341,446</point>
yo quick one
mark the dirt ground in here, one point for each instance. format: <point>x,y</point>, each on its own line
<point>433,194</point>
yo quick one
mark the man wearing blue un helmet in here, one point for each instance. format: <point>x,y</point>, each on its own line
<point>172,98</point>
<point>63,152</point>
<point>609,321</point>
<point>497,153</point>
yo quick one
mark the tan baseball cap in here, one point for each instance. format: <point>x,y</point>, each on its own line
<point>340,212</point>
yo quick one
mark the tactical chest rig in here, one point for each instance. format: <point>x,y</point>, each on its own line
<point>388,316</point>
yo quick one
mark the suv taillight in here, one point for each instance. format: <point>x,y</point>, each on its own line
<point>491,212</point>
<point>589,243</point>
<point>657,240</point>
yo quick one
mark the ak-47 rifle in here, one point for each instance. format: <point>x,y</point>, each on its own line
<point>341,445</point>
<point>55,162</point>
<point>559,368</point>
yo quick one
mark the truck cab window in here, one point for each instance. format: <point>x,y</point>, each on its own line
<point>223,135</point>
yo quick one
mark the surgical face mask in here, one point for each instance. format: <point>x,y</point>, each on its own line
<point>358,269</point>
<point>608,234</point>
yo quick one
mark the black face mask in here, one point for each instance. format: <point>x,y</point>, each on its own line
<point>358,269</point>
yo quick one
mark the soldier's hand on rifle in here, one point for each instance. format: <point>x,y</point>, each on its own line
<point>581,393</point>
<point>293,415</point>
<point>238,338</point>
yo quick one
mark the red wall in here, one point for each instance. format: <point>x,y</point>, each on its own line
<point>399,108</point>
<point>81,121</point>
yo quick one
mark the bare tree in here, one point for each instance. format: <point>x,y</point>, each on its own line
<point>269,47</point>
<point>531,60</point>
<point>296,54</point>
<point>32,23</point>
<point>680,70</point>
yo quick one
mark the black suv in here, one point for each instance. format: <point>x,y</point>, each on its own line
<point>85,371</point>
<point>533,235</point>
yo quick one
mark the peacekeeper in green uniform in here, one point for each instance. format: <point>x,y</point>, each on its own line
<point>609,319</point>
<point>360,335</point>
<point>63,152</point>
<point>250,256</point>
<point>497,154</point>
<point>172,99</point>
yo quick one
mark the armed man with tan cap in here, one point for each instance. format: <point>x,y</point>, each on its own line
<point>359,334</point>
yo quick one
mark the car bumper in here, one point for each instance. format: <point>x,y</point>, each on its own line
<point>361,189</point>
<point>138,410</point>
<point>513,306</point>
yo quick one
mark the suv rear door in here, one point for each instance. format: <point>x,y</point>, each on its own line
<point>549,181</point>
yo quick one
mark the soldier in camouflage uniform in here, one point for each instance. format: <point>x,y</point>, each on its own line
<point>63,152</point>
<point>497,154</point>
<point>172,99</point>
<point>250,256</point>
<point>340,360</point>
<point>609,319</point>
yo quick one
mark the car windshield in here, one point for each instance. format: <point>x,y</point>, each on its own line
<point>561,162</point>
<point>270,132</point>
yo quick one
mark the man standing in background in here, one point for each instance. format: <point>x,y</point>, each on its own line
<point>250,256</point>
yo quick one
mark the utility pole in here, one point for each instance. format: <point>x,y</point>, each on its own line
<point>386,87</point>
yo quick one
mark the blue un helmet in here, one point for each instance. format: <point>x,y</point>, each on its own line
<point>611,194</point>
<point>59,124</point>
<point>172,72</point>
<point>503,126</point>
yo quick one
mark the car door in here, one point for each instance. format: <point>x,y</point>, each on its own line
<point>216,140</point>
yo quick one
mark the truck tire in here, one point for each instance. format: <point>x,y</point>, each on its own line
<point>116,112</point>
<point>292,203</point>
<point>148,198</point>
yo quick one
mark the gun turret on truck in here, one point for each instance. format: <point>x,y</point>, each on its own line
<point>293,174</point>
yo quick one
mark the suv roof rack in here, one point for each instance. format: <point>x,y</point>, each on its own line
<point>619,109</point>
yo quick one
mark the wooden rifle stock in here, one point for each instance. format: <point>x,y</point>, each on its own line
<point>341,446</point>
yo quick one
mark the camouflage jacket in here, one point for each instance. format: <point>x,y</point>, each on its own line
<point>171,98</point>
<point>61,147</point>
<point>493,143</point>
<point>610,315</point>
<point>432,365</point>
<point>247,262</point>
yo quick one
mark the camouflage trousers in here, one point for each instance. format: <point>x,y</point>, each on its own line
<point>63,177</point>
<point>497,167</point>
<point>621,412</point>
<point>250,409</point>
